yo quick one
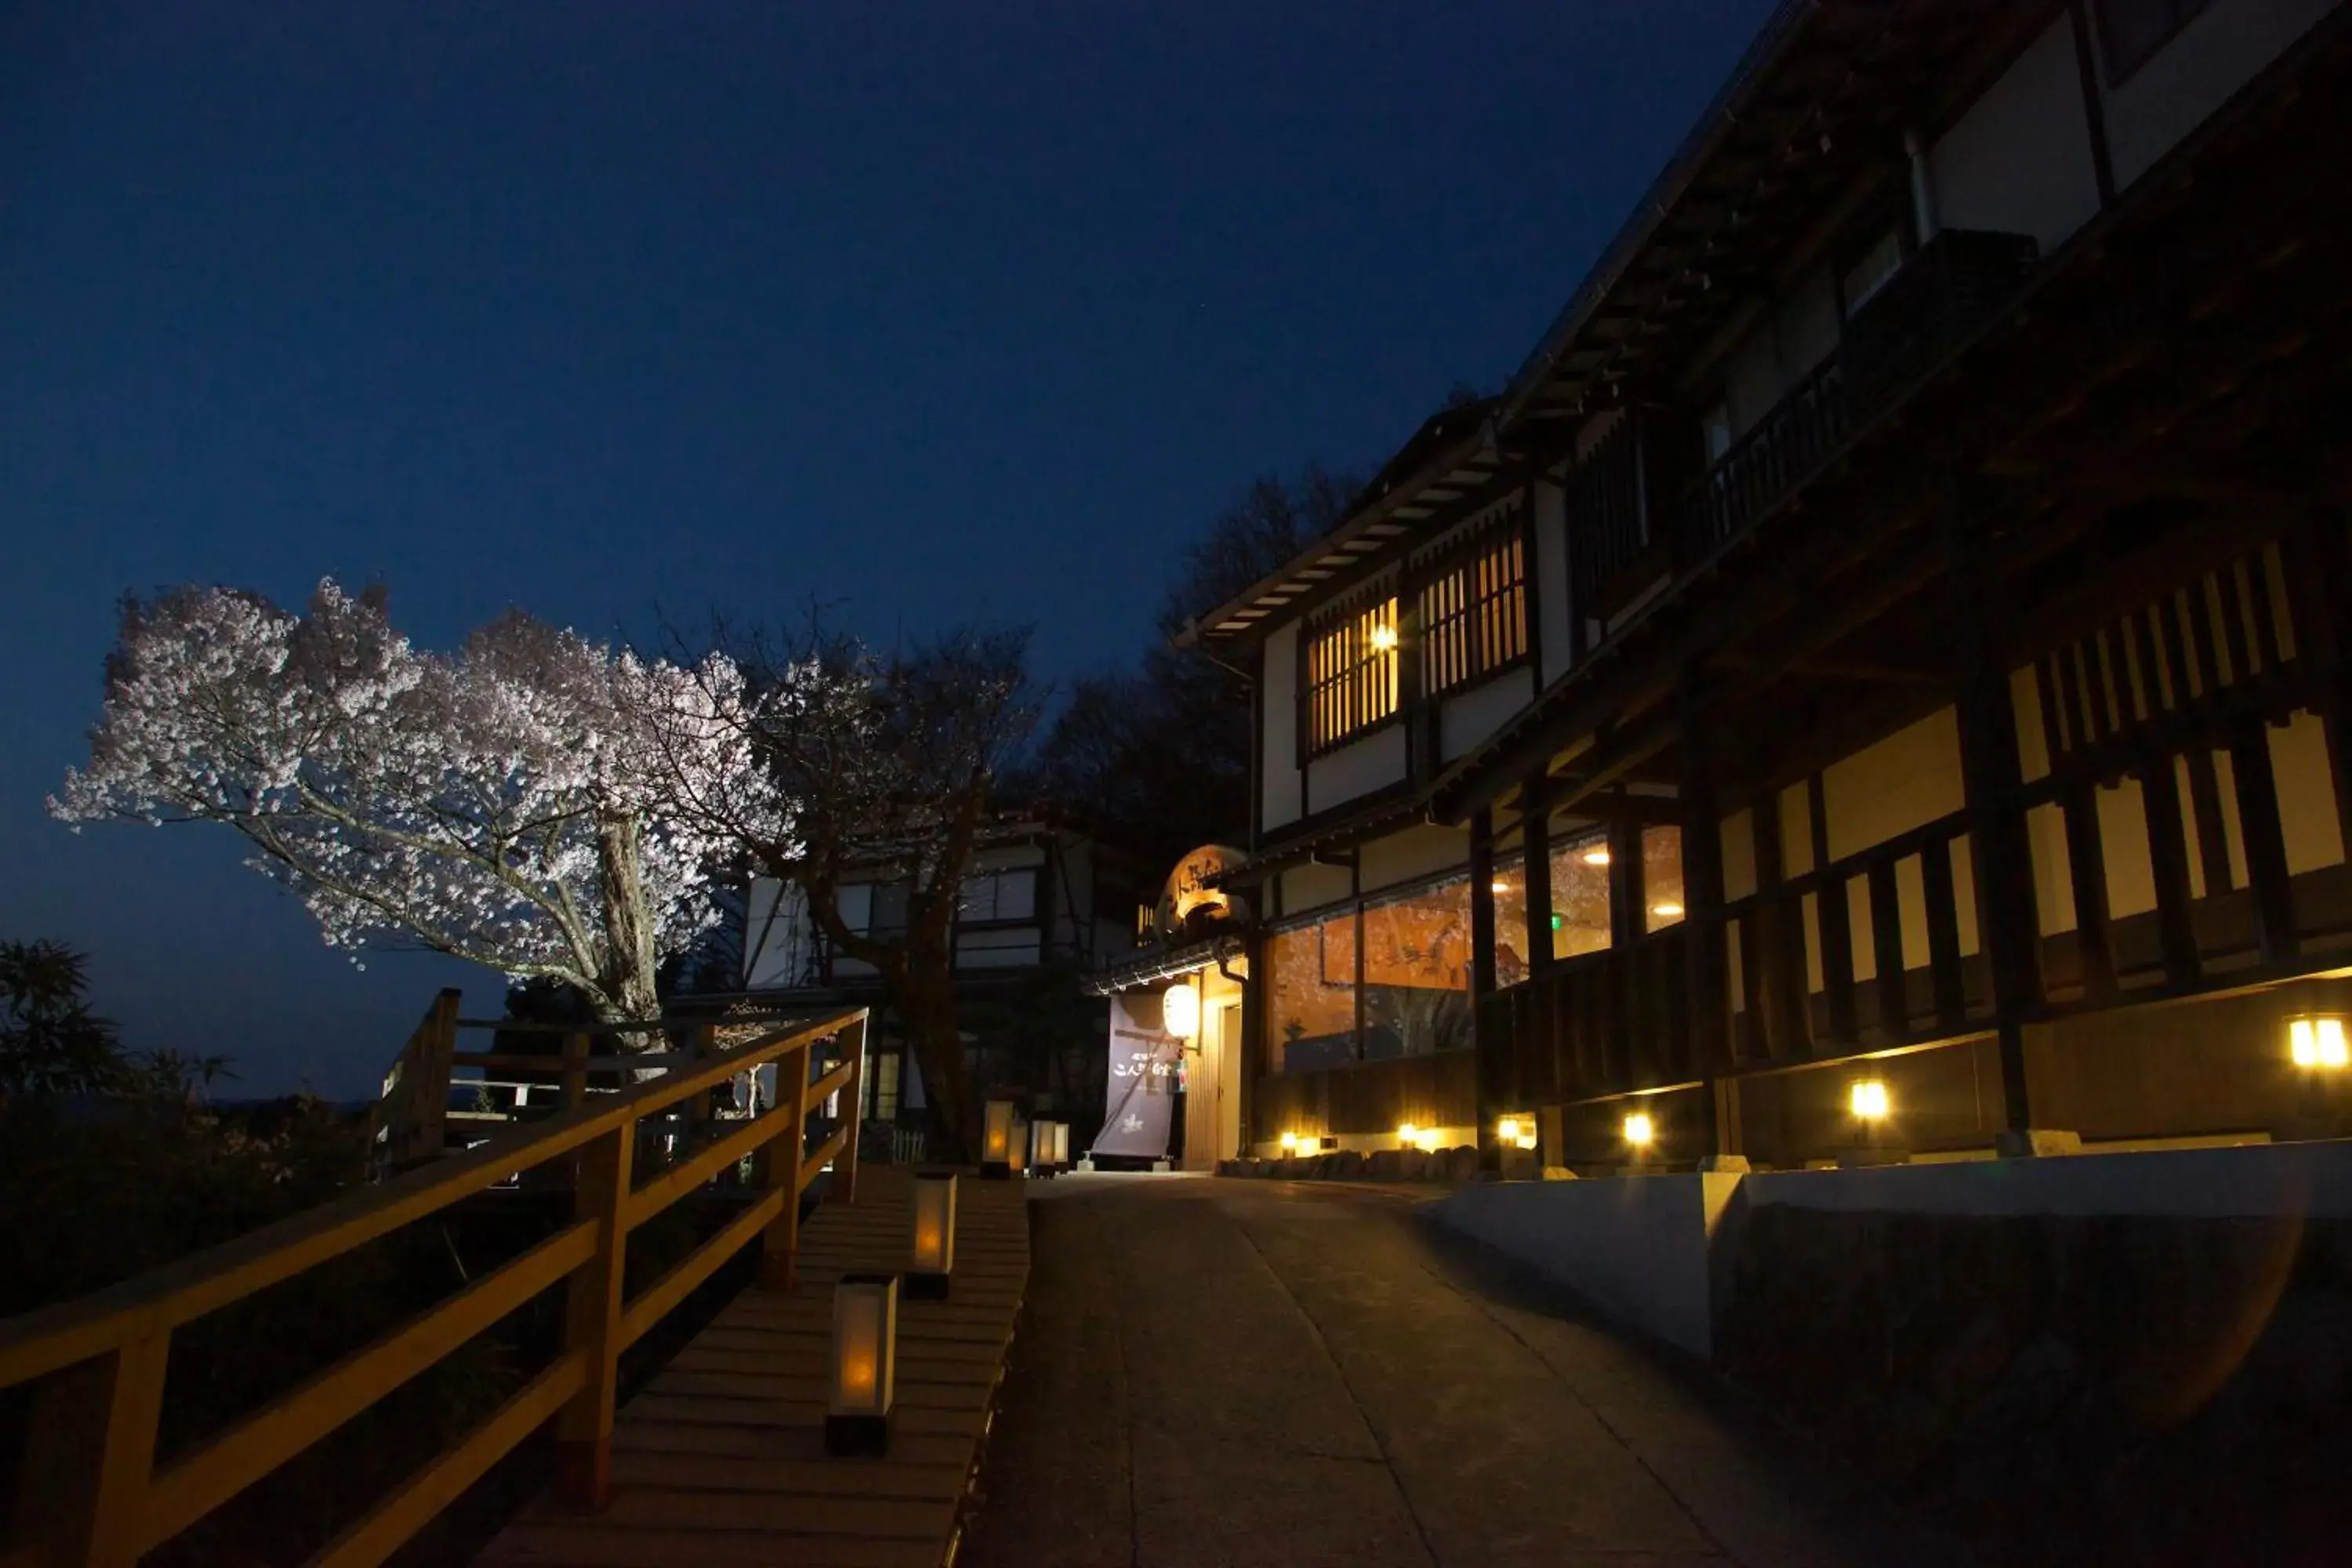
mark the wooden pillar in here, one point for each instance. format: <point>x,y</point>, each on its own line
<point>592,1318</point>
<point>88,1458</point>
<point>1535,832</point>
<point>780,1168</point>
<point>1626,930</point>
<point>1495,1046</point>
<point>2001,855</point>
<point>853,1047</point>
<point>1706,972</point>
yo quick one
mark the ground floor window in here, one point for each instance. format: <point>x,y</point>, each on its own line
<point>1386,977</point>
<point>882,1086</point>
<point>1580,896</point>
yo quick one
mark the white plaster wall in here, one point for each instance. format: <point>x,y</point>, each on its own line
<point>2225,46</point>
<point>1892,786</point>
<point>1636,1247</point>
<point>1356,769</point>
<point>2019,162</point>
<point>1278,755</point>
<point>1311,887</point>
<point>1554,623</point>
<point>1422,850</point>
<point>1469,716</point>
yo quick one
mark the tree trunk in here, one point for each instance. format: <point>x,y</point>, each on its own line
<point>629,962</point>
<point>927,1006</point>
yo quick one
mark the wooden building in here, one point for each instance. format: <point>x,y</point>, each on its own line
<point>1039,897</point>
<point>1889,644</point>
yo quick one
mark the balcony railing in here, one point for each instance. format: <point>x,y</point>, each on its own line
<point>1622,527</point>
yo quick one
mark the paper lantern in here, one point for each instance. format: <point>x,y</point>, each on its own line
<point>865,1352</point>
<point>931,1256</point>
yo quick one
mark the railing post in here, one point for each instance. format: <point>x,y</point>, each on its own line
<point>592,1318</point>
<point>575,1069</point>
<point>853,1093</point>
<point>780,1168</point>
<point>434,1060</point>
<point>90,1452</point>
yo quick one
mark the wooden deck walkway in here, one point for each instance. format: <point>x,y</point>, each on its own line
<point>720,1461</point>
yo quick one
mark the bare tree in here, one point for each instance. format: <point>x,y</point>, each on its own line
<point>889,760</point>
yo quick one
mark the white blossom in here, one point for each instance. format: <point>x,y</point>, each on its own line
<point>508,802</point>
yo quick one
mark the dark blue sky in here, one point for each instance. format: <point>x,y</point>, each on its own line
<point>946,311</point>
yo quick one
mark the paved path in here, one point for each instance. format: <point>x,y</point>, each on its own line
<point>1234,1374</point>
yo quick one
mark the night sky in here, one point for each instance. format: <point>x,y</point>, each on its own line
<point>941,312</point>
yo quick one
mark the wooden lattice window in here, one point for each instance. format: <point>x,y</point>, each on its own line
<point>1351,670</point>
<point>1473,612</point>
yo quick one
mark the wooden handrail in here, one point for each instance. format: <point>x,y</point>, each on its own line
<point>102,1501</point>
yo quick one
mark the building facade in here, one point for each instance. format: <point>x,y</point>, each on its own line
<point>1876,677</point>
<point>1039,900</point>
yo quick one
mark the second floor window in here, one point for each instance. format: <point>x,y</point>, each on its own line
<point>1006,895</point>
<point>1351,671</point>
<point>1474,617</point>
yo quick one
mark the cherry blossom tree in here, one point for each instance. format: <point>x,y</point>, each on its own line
<point>501,804</point>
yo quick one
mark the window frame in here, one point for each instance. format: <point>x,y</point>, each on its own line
<point>1348,692</point>
<point>1353,908</point>
<point>1477,657</point>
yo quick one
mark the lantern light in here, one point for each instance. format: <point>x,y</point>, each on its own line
<point>1640,1130</point>
<point>1384,638</point>
<point>932,1255</point>
<point>864,1354</point>
<point>2317,1041</point>
<point>1290,1142</point>
<point>1509,1130</point>
<point>1041,1148</point>
<point>996,1153</point>
<point>1017,1145</point>
<point>1180,1011</point>
<point>1061,1145</point>
<point>1868,1100</point>
<point>1408,1135</point>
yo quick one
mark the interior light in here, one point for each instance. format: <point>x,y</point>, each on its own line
<point>1408,1135</point>
<point>1868,1100</point>
<point>1502,886</point>
<point>1599,857</point>
<point>2317,1041</point>
<point>1668,911</point>
<point>1384,639</point>
<point>1640,1131</point>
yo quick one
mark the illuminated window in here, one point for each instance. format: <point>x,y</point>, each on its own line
<point>1580,897</point>
<point>1473,617</point>
<point>1311,1014</point>
<point>1417,972</point>
<point>1661,877</point>
<point>1351,671</point>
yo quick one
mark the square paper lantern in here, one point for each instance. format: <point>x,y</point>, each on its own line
<point>1041,1148</point>
<point>865,1351</point>
<point>1061,1145</point>
<point>931,1257</point>
<point>996,1151</point>
<point>1017,1145</point>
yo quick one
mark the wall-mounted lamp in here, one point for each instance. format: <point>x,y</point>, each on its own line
<point>1408,1135</point>
<point>2315,1041</point>
<point>1507,1130</point>
<point>864,1354</point>
<point>1180,1011</point>
<point>932,1258</point>
<point>1640,1131</point>
<point>1868,1100</point>
<point>1384,638</point>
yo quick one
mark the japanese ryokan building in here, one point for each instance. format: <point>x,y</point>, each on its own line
<point>1888,647</point>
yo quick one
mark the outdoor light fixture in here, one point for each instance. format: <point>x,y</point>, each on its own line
<point>1180,1012</point>
<point>1868,1099</point>
<point>1384,639</point>
<point>1640,1130</point>
<point>2316,1042</point>
<point>1598,857</point>
<point>933,1255</point>
<point>1408,1135</point>
<point>1290,1142</point>
<point>1508,1130</point>
<point>996,1139</point>
<point>865,1351</point>
<point>1041,1148</point>
<point>1061,1145</point>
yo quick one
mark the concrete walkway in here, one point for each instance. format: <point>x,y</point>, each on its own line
<point>1234,1374</point>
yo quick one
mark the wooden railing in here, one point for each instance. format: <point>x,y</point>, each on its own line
<point>92,1492</point>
